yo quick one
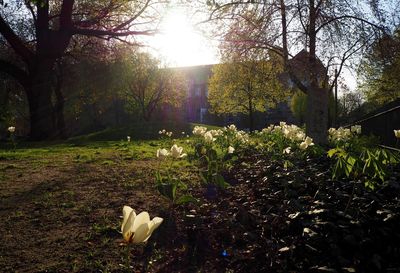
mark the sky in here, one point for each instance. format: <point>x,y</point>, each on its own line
<point>179,43</point>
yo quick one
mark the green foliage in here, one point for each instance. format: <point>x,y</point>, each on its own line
<point>298,105</point>
<point>245,86</point>
<point>147,86</point>
<point>355,161</point>
<point>168,186</point>
<point>380,70</point>
<point>212,173</point>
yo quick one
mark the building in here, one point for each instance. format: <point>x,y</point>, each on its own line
<point>197,106</point>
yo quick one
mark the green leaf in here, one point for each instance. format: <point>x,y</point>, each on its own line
<point>332,152</point>
<point>186,199</point>
<point>219,181</point>
<point>203,176</point>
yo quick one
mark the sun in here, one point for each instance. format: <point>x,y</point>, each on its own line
<point>180,44</point>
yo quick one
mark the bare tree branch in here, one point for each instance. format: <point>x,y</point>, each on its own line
<point>15,42</point>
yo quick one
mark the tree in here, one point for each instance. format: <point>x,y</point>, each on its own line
<point>245,86</point>
<point>331,31</point>
<point>380,70</point>
<point>44,37</point>
<point>149,86</point>
<point>298,106</point>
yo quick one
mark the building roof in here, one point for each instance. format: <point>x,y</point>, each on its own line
<point>300,64</point>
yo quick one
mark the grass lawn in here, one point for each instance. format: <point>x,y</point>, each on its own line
<point>61,204</point>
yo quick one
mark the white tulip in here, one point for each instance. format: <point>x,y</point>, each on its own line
<point>208,137</point>
<point>356,129</point>
<point>303,146</point>
<point>287,150</point>
<point>138,228</point>
<point>11,129</point>
<point>162,153</point>
<point>176,151</point>
<point>128,138</point>
<point>231,150</point>
<point>199,130</point>
<point>307,142</point>
<point>397,133</point>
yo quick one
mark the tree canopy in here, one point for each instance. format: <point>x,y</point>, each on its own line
<point>246,86</point>
<point>334,32</point>
<point>380,70</point>
<point>40,32</point>
<point>148,87</point>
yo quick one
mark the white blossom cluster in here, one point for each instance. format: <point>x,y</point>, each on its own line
<point>343,134</point>
<point>176,152</point>
<point>290,132</point>
<point>199,130</point>
<point>165,132</point>
<point>227,134</point>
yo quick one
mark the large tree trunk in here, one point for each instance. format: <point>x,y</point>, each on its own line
<point>317,103</point>
<point>317,114</point>
<point>42,118</point>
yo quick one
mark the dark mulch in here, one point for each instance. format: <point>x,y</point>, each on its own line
<point>295,220</point>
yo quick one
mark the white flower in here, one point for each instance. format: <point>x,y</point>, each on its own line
<point>397,133</point>
<point>169,134</point>
<point>176,151</point>
<point>162,153</point>
<point>356,129</point>
<point>160,132</point>
<point>183,133</point>
<point>128,138</point>
<point>138,228</point>
<point>287,150</point>
<point>11,129</point>
<point>231,128</point>
<point>307,142</point>
<point>208,137</point>
<point>199,130</point>
<point>231,150</point>
<point>216,133</point>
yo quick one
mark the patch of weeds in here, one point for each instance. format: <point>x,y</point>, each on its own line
<point>84,158</point>
<point>131,184</point>
<point>105,228</point>
<point>8,167</point>
<point>67,205</point>
<point>8,155</point>
<point>69,193</point>
<point>18,214</point>
<point>107,162</point>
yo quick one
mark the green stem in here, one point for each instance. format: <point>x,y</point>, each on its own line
<point>128,256</point>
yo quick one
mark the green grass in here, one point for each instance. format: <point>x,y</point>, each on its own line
<point>95,146</point>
